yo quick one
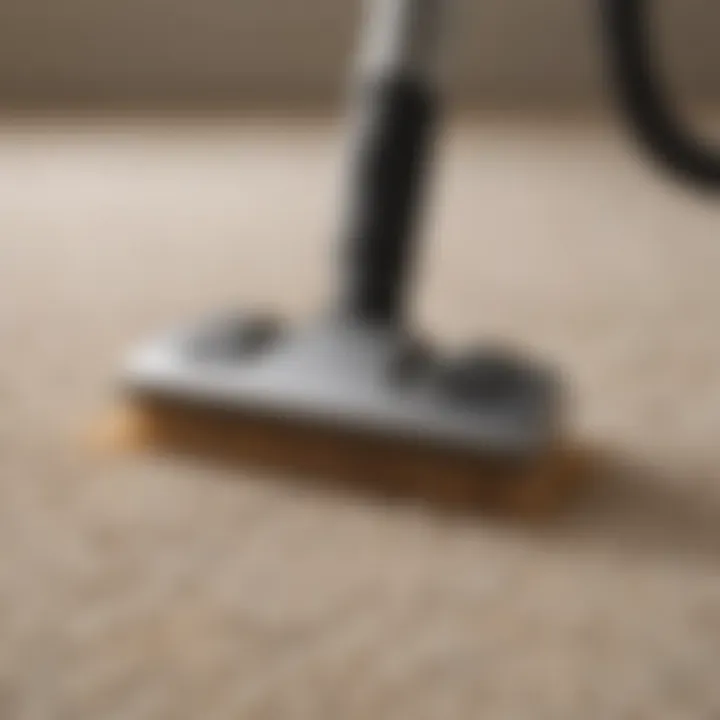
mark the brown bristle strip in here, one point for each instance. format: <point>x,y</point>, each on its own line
<point>381,466</point>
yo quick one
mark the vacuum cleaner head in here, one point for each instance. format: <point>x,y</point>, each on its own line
<point>352,401</point>
<point>357,378</point>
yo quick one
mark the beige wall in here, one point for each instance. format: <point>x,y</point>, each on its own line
<point>236,50</point>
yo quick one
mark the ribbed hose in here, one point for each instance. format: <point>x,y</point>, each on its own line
<point>653,115</point>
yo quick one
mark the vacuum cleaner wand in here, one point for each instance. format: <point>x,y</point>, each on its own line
<point>396,105</point>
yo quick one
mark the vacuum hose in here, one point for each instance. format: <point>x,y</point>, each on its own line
<point>653,117</point>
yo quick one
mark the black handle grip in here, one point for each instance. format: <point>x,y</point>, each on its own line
<point>396,134</point>
<point>654,117</point>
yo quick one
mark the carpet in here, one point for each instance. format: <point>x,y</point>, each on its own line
<point>142,588</point>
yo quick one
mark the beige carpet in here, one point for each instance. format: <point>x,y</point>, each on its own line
<point>135,588</point>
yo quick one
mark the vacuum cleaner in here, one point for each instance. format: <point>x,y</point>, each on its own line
<point>357,382</point>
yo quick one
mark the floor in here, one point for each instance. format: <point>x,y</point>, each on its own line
<point>149,588</point>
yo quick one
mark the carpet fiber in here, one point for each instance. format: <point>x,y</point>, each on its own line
<point>142,588</point>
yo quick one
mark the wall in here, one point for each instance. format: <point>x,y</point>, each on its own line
<point>238,50</point>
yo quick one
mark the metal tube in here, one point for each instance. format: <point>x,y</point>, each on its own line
<point>402,38</point>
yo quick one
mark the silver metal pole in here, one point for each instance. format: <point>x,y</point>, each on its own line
<point>402,38</point>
